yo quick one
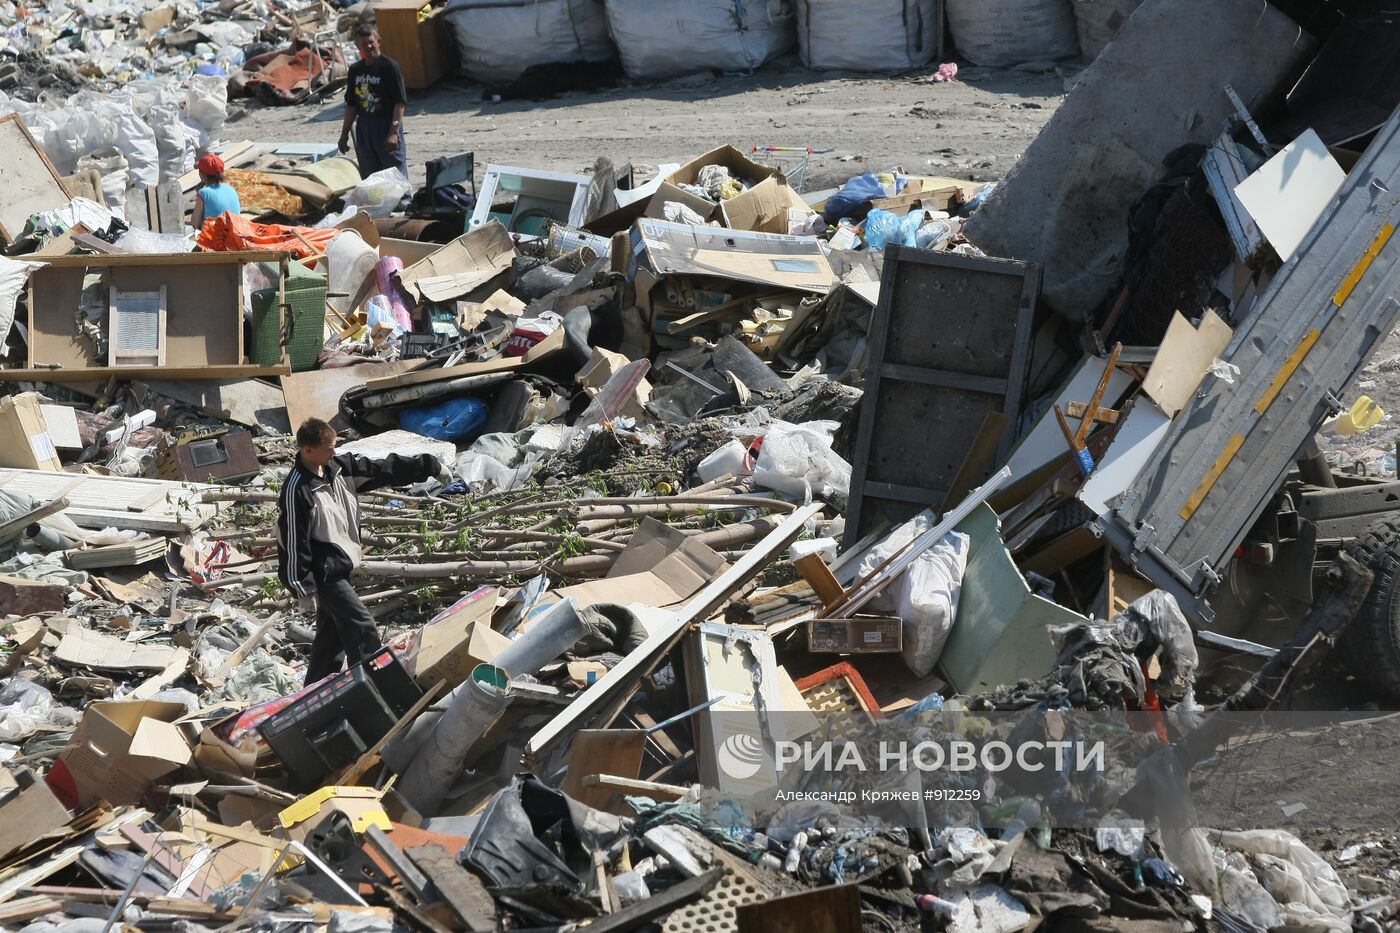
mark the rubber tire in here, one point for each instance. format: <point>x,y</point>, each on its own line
<point>1372,641</point>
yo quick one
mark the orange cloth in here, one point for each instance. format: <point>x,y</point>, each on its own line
<point>230,232</point>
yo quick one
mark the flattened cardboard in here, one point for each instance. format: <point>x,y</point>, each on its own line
<point>789,262</point>
<point>1185,354</point>
<point>31,813</point>
<point>660,567</point>
<point>24,435</point>
<point>764,207</point>
<point>468,262</point>
<point>82,647</point>
<point>119,749</point>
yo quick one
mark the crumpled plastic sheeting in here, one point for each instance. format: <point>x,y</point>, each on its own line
<point>797,459</point>
<point>258,678</point>
<point>26,707</point>
<point>46,568</point>
<point>379,194</point>
<point>1307,889</point>
<point>1157,619</point>
<point>14,274</point>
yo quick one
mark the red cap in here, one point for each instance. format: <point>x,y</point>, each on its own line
<point>210,165</point>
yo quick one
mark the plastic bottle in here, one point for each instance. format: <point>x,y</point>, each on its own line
<point>794,852</point>
<point>930,903</point>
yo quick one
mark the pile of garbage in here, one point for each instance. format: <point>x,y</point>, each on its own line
<point>908,555</point>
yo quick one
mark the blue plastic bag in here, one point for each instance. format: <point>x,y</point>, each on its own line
<point>881,228</point>
<point>856,192</point>
<point>456,420</point>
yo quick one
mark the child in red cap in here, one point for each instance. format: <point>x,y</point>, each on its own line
<point>214,196</point>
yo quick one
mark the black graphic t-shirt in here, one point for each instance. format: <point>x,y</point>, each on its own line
<point>374,89</point>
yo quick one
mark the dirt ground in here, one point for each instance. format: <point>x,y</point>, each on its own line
<point>975,127</point>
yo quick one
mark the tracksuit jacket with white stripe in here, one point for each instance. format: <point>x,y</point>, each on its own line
<point>318,520</point>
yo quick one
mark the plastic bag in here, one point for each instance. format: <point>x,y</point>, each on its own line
<point>852,195</point>
<point>456,420</point>
<point>881,228</point>
<point>26,706</point>
<point>1293,873</point>
<point>926,595</point>
<point>797,459</point>
<point>379,194</point>
<point>206,103</point>
<point>137,143</point>
<point>146,242</point>
<point>1157,617</point>
<point>14,274</point>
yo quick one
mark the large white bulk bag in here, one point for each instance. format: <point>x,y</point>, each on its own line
<point>1099,21</point>
<point>665,38</point>
<point>499,39</point>
<point>1000,33</point>
<point>879,35</point>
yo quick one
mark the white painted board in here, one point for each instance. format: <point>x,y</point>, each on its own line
<point>1134,444</point>
<point>1290,191</point>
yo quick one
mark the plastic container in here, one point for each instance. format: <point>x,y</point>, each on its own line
<point>731,459</point>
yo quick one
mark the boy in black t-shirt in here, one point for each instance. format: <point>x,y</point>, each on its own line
<point>374,102</point>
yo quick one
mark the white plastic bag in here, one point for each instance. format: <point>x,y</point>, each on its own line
<point>1305,886</point>
<point>380,193</point>
<point>206,103</point>
<point>797,459</point>
<point>926,595</point>
<point>14,274</point>
<point>136,141</point>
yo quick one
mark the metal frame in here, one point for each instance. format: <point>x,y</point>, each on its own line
<point>491,183</point>
<point>1007,394</point>
<point>1304,341</point>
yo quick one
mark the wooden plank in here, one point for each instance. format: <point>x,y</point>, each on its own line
<point>29,180</point>
<point>104,501</point>
<point>28,908</point>
<point>163,856</point>
<point>819,576</point>
<point>316,394</point>
<point>66,375</point>
<point>821,910</point>
<point>462,891</point>
<point>603,751</point>
<point>623,680</point>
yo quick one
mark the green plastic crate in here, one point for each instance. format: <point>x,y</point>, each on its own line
<point>305,331</point>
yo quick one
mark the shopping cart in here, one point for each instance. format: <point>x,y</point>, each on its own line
<point>792,161</point>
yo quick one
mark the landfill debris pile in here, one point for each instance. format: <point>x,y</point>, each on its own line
<point>567,552</point>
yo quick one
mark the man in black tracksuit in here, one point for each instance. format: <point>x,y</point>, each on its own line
<point>318,537</point>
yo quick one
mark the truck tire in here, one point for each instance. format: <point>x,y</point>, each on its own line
<point>1372,640</point>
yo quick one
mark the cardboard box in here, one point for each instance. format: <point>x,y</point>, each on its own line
<point>24,435</point>
<point>117,752</point>
<point>764,207</point>
<point>453,643</point>
<point>863,635</point>
<point>656,207</point>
